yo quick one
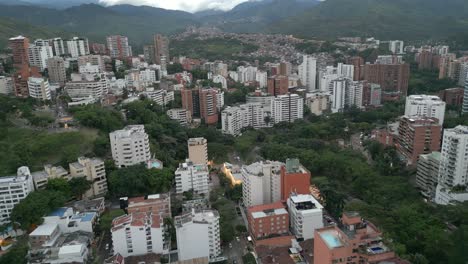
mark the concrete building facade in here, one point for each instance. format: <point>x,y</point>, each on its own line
<point>130,146</point>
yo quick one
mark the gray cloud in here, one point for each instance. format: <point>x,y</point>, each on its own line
<point>186,5</point>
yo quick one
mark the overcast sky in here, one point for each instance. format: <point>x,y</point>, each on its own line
<point>186,5</point>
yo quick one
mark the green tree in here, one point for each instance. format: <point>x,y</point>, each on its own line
<point>59,185</point>
<point>79,186</point>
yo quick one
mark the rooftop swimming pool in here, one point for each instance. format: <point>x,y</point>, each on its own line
<point>331,239</point>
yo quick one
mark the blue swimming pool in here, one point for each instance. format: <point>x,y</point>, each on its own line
<point>331,239</point>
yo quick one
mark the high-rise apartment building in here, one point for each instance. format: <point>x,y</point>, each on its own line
<point>118,47</point>
<point>57,71</point>
<point>98,49</point>
<point>198,150</point>
<point>77,47</point>
<point>38,56</point>
<point>198,235</point>
<point>418,135</point>
<point>308,72</point>
<point>148,54</point>
<point>452,96</point>
<point>358,65</point>
<point>465,98</point>
<point>427,174</point>
<point>209,106</point>
<point>59,46</point>
<point>453,175</point>
<point>192,177</point>
<point>278,85</point>
<point>261,183</point>
<point>254,115</point>
<point>295,178</point>
<point>371,94</point>
<point>425,106</point>
<point>161,49</point>
<point>305,215</point>
<point>39,88</point>
<point>94,171</point>
<point>130,146</point>
<point>287,108</point>
<point>338,98</point>
<point>13,189</point>
<point>20,50</point>
<point>392,78</point>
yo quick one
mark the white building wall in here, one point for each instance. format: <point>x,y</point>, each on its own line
<point>308,72</point>
<point>130,146</point>
<point>39,88</point>
<point>426,106</point>
<point>12,190</point>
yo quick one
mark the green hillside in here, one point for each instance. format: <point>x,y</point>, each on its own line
<point>385,19</point>
<point>96,22</point>
<point>10,28</point>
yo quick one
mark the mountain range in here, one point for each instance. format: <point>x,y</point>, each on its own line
<point>384,19</point>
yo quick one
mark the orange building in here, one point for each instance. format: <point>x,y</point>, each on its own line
<point>295,178</point>
<point>268,221</point>
<point>355,241</point>
<point>208,106</point>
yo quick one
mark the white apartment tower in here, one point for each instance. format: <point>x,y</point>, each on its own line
<point>77,47</point>
<point>308,72</point>
<point>198,150</point>
<point>425,106</point>
<point>139,234</point>
<point>59,47</point>
<point>396,46</point>
<point>254,115</point>
<point>261,183</point>
<point>13,189</point>
<point>465,98</point>
<point>130,146</point>
<point>305,215</point>
<point>192,177</point>
<point>338,98</point>
<point>287,108</point>
<point>453,172</point>
<point>39,88</point>
<point>198,235</point>
<point>38,56</point>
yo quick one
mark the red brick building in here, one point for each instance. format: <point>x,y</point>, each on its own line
<point>294,178</point>
<point>278,85</point>
<point>355,241</point>
<point>452,96</point>
<point>418,135</point>
<point>358,63</point>
<point>268,220</point>
<point>20,51</point>
<point>393,79</point>
<point>208,106</point>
